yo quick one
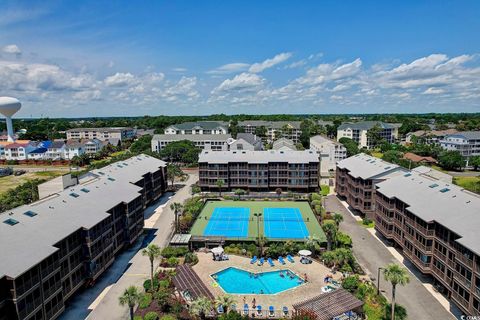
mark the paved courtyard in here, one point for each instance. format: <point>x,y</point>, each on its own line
<point>315,274</point>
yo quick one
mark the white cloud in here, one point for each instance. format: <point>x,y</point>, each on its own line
<point>242,82</point>
<point>120,79</point>
<point>432,90</point>
<point>87,95</point>
<point>230,68</point>
<point>260,67</point>
<point>12,49</point>
<point>179,69</point>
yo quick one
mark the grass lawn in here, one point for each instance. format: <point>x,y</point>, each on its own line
<point>309,219</point>
<point>471,183</point>
<point>11,181</point>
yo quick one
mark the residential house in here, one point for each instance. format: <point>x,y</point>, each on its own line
<point>245,141</point>
<point>19,150</point>
<point>429,136</point>
<point>56,150</point>
<point>74,148</point>
<point>467,143</point>
<point>283,144</point>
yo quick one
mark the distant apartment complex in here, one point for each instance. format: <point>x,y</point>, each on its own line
<point>436,225</point>
<point>259,170</point>
<point>213,142</point>
<point>101,134</point>
<point>274,129</point>
<point>329,152</point>
<point>358,132</point>
<point>429,136</point>
<point>199,127</point>
<point>356,178</point>
<point>50,249</point>
<point>467,143</point>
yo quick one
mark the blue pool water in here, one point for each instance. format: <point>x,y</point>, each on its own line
<point>238,281</point>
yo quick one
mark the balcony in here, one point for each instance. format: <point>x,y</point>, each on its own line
<point>462,280</point>
<point>465,260</point>
<point>460,300</point>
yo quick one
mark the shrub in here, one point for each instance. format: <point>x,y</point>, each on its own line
<point>344,240</point>
<point>152,315</point>
<point>191,258</point>
<point>145,301</point>
<point>169,252</point>
<point>168,317</point>
<point>232,315</point>
<point>351,283</point>
<point>316,203</point>
<point>325,189</point>
<point>172,262</point>
<point>147,285</point>
<point>316,196</point>
<point>137,317</point>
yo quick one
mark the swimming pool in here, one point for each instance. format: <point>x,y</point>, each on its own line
<point>237,281</point>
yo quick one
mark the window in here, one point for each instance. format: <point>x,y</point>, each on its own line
<point>10,222</point>
<point>75,195</point>
<point>433,185</point>
<point>30,213</point>
<point>111,179</point>
<point>85,190</point>
<point>444,190</point>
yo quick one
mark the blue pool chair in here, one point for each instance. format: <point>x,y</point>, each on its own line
<point>270,262</point>
<point>271,312</point>
<point>259,311</point>
<point>285,311</point>
<point>289,258</point>
<point>220,309</point>
<point>280,259</point>
<point>254,259</point>
<point>260,263</point>
<point>245,309</point>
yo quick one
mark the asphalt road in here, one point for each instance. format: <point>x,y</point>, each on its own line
<point>130,268</point>
<point>372,254</point>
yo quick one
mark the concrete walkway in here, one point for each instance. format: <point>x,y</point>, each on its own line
<point>372,254</point>
<point>134,268</point>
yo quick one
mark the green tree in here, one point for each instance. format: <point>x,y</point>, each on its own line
<point>232,315</point>
<point>181,151</point>
<point>201,306</point>
<point>173,171</point>
<point>152,251</point>
<point>235,129</point>
<point>392,156</point>
<point>220,183</point>
<point>142,144</point>
<point>176,207</point>
<point>350,145</point>
<point>330,229</point>
<point>225,301</point>
<point>474,162</point>
<point>131,297</point>
<point>451,160</point>
<point>261,131</point>
<point>239,193</point>
<point>338,218</point>
<point>351,283</point>
<point>396,275</point>
<point>374,136</point>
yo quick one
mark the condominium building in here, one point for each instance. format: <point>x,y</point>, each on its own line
<point>274,129</point>
<point>467,143</point>
<point>214,142</point>
<point>429,136</point>
<point>245,141</point>
<point>329,152</point>
<point>101,134</point>
<point>436,225</point>
<point>357,131</point>
<point>259,170</point>
<point>51,248</point>
<point>356,177</point>
<point>199,127</point>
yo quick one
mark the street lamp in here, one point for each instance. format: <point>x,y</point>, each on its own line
<point>378,280</point>
<point>258,215</point>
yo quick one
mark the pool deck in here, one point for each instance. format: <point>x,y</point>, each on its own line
<point>315,274</point>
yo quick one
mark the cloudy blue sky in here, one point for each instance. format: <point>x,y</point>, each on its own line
<point>101,58</point>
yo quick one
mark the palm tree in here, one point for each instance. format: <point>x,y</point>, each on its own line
<point>131,296</point>
<point>395,274</point>
<point>220,184</point>
<point>152,251</point>
<point>337,217</point>
<point>330,229</point>
<point>226,301</point>
<point>176,207</point>
<point>173,171</point>
<point>278,191</point>
<point>201,306</point>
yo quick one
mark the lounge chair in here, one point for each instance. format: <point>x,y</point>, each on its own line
<point>220,309</point>
<point>285,311</point>
<point>254,259</point>
<point>280,259</point>
<point>270,262</point>
<point>271,312</point>
<point>289,258</point>
<point>245,309</point>
<point>259,311</point>
<point>261,261</point>
<point>233,307</point>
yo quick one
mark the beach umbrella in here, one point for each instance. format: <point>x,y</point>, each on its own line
<point>305,253</point>
<point>217,250</point>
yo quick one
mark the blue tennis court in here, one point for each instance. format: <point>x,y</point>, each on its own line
<point>284,223</point>
<point>228,222</point>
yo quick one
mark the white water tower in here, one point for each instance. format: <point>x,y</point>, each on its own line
<point>8,107</point>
